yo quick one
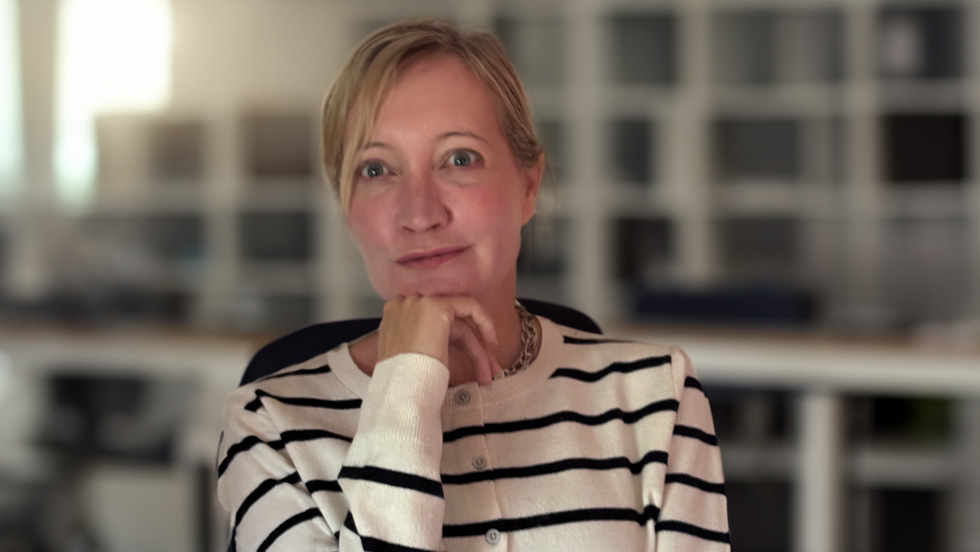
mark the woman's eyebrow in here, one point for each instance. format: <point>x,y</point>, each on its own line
<point>463,133</point>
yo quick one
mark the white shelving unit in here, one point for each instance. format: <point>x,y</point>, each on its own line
<point>701,146</point>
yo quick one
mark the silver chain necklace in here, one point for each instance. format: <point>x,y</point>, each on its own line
<point>529,341</point>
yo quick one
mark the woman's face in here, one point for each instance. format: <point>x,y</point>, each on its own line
<point>438,199</point>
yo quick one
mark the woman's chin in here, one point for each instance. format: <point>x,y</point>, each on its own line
<point>435,286</point>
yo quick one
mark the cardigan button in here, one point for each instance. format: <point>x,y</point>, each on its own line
<point>480,462</point>
<point>462,397</point>
<point>493,536</point>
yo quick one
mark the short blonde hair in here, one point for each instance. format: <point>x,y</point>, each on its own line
<point>375,64</point>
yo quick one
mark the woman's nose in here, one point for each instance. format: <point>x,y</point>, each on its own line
<point>421,205</point>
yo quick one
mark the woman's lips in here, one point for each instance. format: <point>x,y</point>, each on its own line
<point>431,258</point>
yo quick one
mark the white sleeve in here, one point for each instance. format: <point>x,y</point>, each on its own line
<point>391,474</point>
<point>389,478</point>
<point>694,513</point>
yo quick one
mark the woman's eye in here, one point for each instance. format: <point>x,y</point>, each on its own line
<point>462,158</point>
<point>373,169</point>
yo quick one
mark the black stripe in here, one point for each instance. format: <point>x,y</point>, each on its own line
<point>286,437</point>
<point>694,530</point>
<point>307,515</point>
<point>691,481</point>
<point>560,417</point>
<point>554,518</point>
<point>591,340</point>
<point>371,544</point>
<point>233,451</point>
<point>621,367</point>
<point>693,383</point>
<point>304,372</point>
<point>695,433</point>
<point>658,456</point>
<point>260,491</point>
<point>346,404</point>
<point>315,485</point>
<point>393,478</point>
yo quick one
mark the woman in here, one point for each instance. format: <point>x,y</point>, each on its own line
<point>463,423</point>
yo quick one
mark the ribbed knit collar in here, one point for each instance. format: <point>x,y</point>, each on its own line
<point>501,390</point>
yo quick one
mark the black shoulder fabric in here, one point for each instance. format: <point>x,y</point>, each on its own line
<point>313,340</point>
<point>305,344</point>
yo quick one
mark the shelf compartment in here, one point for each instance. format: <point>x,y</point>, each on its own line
<point>758,149</point>
<point>769,46</point>
<point>761,510</point>
<point>759,248</point>
<point>142,155</point>
<point>177,237</point>
<point>631,151</point>
<point>536,47</point>
<point>177,150</point>
<point>924,147</point>
<point>276,236</point>
<point>642,48</point>
<point>644,250</point>
<point>925,269</point>
<point>544,249</point>
<point>278,146</point>
<point>921,42</point>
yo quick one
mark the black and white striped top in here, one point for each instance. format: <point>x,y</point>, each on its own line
<point>597,445</point>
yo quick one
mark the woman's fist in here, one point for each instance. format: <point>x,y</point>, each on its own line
<point>429,325</point>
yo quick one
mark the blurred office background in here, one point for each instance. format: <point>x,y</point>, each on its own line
<point>788,189</point>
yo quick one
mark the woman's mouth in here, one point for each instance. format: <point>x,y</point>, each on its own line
<point>431,258</point>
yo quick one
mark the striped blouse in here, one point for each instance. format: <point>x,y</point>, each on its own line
<point>599,444</point>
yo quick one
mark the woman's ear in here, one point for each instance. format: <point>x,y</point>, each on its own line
<point>531,187</point>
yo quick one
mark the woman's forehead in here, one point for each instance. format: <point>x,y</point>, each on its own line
<point>437,94</point>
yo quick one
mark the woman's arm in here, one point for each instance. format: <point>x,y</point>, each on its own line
<point>694,513</point>
<point>391,474</point>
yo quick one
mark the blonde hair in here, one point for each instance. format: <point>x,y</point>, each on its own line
<point>375,64</point>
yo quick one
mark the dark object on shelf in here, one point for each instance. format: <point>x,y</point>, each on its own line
<point>752,304</point>
<point>907,419</point>
<point>177,150</point>
<point>313,340</point>
<point>644,247</point>
<point>907,520</point>
<point>630,154</point>
<point>643,48</point>
<point>276,236</point>
<point>91,415</point>
<point>759,515</point>
<point>924,147</point>
<point>921,42</point>
<point>278,146</point>
<point>543,247</point>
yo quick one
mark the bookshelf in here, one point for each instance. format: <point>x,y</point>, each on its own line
<point>744,162</point>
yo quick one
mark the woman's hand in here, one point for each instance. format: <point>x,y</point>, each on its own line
<point>428,325</point>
